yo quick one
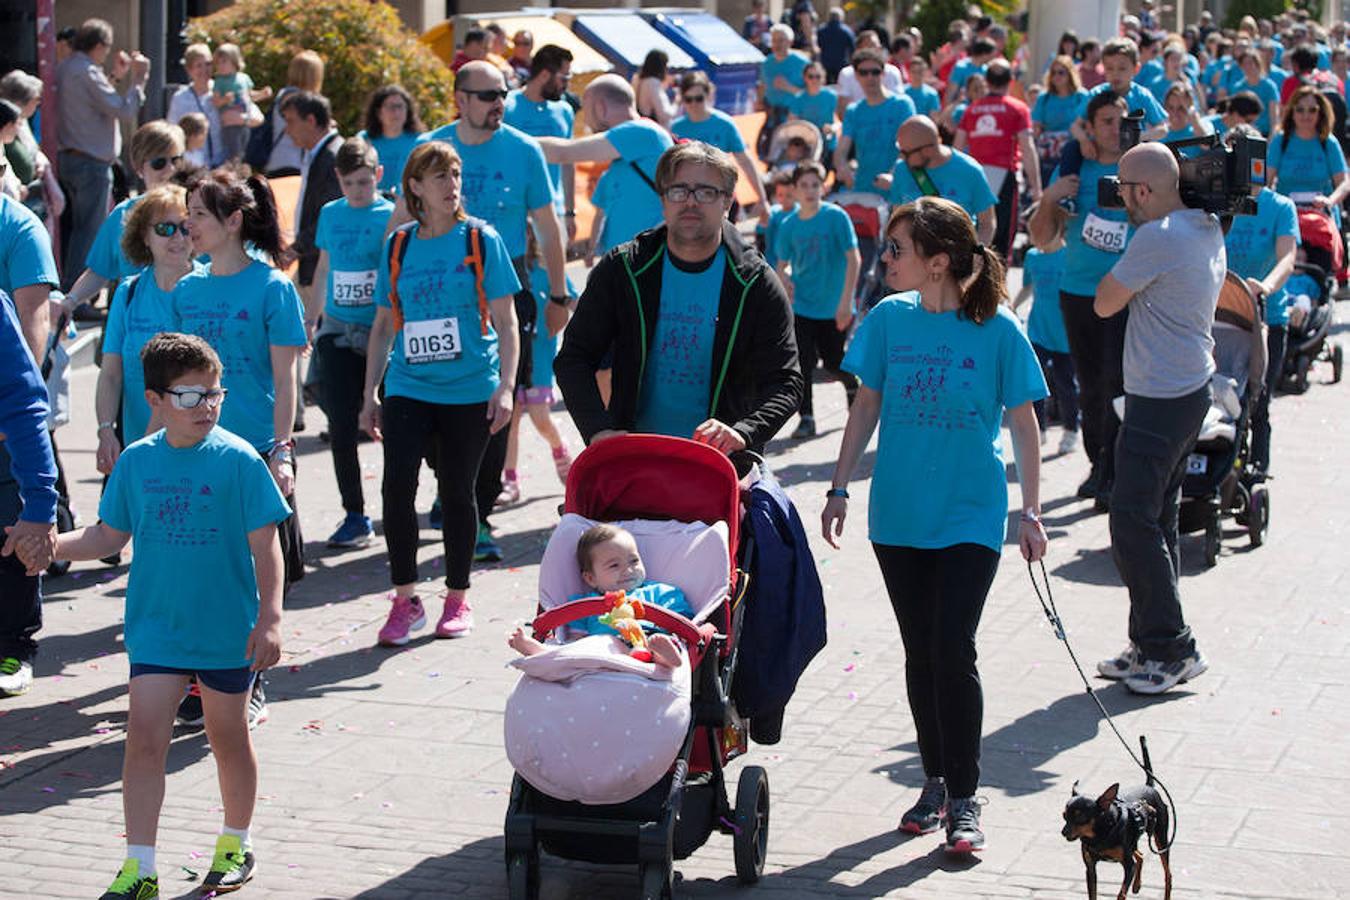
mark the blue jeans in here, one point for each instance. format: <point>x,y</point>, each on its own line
<point>88,185</point>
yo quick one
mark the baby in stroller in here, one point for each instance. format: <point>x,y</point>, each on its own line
<point>610,563</point>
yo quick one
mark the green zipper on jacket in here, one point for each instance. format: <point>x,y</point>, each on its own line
<point>642,317</point>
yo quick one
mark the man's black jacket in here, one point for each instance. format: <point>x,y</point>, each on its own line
<point>321,187</point>
<point>756,381</point>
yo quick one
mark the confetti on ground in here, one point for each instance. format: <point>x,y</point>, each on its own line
<point>853,695</point>
<point>850,667</point>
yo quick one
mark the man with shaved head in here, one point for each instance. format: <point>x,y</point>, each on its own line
<point>1169,276</point>
<point>929,168</point>
<point>631,144</point>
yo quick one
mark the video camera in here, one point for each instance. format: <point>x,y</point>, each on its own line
<point>1219,181</point>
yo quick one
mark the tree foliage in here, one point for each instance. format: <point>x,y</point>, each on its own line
<point>363,45</point>
<point>1257,9</point>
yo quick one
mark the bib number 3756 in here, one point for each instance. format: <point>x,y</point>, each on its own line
<point>354,288</point>
<point>1103,234</point>
<point>434,340</point>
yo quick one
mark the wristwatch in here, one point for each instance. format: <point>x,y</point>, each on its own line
<point>1029,515</point>
<point>837,492</point>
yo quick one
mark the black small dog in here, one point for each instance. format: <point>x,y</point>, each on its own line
<point>1111,826</point>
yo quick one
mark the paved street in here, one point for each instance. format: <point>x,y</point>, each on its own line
<point>383,773</point>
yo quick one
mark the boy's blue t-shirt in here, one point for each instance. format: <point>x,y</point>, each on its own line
<point>816,249</point>
<point>1250,244</point>
<point>872,130</point>
<point>776,216</point>
<point>502,179</point>
<point>652,593</point>
<point>353,237</point>
<point>718,130</point>
<point>960,179</point>
<point>25,248</point>
<point>1056,112</point>
<point>447,350</point>
<point>1301,284</point>
<point>545,344</point>
<point>243,316</point>
<point>550,118</point>
<point>1268,92</point>
<point>133,319</point>
<point>634,205</point>
<point>926,100</point>
<point>962,71</point>
<point>792,67</point>
<point>677,383</point>
<point>1094,236</point>
<point>190,510</point>
<point>1045,325</point>
<point>944,381</point>
<point>818,109</point>
<point>393,153</point>
<point>1306,165</point>
<point>1138,97</point>
<point>105,257</point>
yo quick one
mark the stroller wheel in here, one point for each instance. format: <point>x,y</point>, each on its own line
<point>1258,516</point>
<point>1213,534</point>
<point>1337,362</point>
<point>656,881</point>
<point>751,841</point>
<point>522,876</point>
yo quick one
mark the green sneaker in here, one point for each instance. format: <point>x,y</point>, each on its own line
<point>129,885</point>
<point>485,549</point>
<point>231,867</point>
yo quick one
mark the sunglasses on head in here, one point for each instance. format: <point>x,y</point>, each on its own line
<point>159,162</point>
<point>488,96</point>
<point>169,229</point>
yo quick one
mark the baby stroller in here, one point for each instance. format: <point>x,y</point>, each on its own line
<point>1217,481</point>
<point>868,212</point>
<point>648,477</point>
<point>795,142</point>
<point>1309,328</point>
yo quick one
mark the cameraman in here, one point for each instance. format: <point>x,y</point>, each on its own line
<point>1169,277</point>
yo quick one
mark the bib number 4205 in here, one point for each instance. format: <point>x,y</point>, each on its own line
<point>1103,234</point>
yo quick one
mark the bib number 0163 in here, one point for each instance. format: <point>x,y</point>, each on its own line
<point>435,340</point>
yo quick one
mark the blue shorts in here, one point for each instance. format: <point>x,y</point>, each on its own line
<point>225,681</point>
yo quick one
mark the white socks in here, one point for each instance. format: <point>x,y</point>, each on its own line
<point>144,854</point>
<point>241,833</point>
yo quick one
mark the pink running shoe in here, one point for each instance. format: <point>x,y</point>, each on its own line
<point>406,616</point>
<point>510,494</point>
<point>457,618</point>
<point>562,463</point>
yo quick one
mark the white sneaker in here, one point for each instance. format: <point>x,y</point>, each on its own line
<point>1068,442</point>
<point>1122,665</point>
<point>16,676</point>
<point>1155,677</point>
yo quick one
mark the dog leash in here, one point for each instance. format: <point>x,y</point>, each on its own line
<point>1047,601</point>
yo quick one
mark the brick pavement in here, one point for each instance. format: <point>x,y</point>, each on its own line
<point>383,774</point>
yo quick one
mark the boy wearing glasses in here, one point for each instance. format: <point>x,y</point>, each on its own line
<point>190,491</point>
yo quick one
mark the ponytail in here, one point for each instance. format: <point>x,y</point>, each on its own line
<point>980,298</point>
<point>261,227</point>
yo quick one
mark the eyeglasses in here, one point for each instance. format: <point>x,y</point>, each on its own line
<point>868,73</point>
<point>703,193</point>
<point>169,229</point>
<point>487,96</point>
<point>1307,110</point>
<point>695,98</point>
<point>193,397</point>
<point>890,248</point>
<point>813,77</point>
<point>159,162</point>
<point>912,150</point>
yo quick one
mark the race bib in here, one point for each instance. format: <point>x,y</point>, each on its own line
<point>354,288</point>
<point>434,340</point>
<point>1103,234</point>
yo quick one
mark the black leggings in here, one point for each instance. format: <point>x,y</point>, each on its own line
<point>340,391</point>
<point>461,434</point>
<point>1097,347</point>
<point>821,339</point>
<point>938,596</point>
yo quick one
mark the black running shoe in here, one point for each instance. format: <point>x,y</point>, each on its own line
<point>190,714</point>
<point>926,814</point>
<point>963,826</point>
<point>1088,489</point>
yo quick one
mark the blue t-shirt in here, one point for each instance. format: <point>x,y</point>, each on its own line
<point>816,249</point>
<point>1250,244</point>
<point>502,180</point>
<point>1149,71</point>
<point>677,384</point>
<point>1301,284</point>
<point>633,205</point>
<point>192,598</point>
<point>243,316</point>
<point>791,67</point>
<point>718,130</point>
<point>133,320</point>
<point>1186,133</point>
<point>962,71</point>
<point>545,344</point>
<point>926,100</point>
<point>1055,112</point>
<point>1268,91</point>
<point>818,109</point>
<point>872,130</point>
<point>393,153</point>
<point>960,179</point>
<point>776,216</point>
<point>1139,97</point>
<point>105,255</point>
<point>550,118</point>
<point>1045,325</point>
<point>958,111</point>
<point>447,350</point>
<point>353,237</point>
<point>944,381</point>
<point>652,593</point>
<point>1306,165</point>
<point>25,248</point>
<point>1087,261</point>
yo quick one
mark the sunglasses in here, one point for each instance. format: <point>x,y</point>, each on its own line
<point>813,77</point>
<point>193,397</point>
<point>912,150</point>
<point>890,248</point>
<point>695,98</point>
<point>159,162</point>
<point>868,73</point>
<point>169,229</point>
<point>487,96</point>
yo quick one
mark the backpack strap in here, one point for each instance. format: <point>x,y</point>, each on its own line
<point>924,181</point>
<point>475,261</point>
<point>398,249</point>
<point>645,177</point>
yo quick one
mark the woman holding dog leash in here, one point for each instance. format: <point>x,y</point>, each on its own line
<point>940,364</point>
